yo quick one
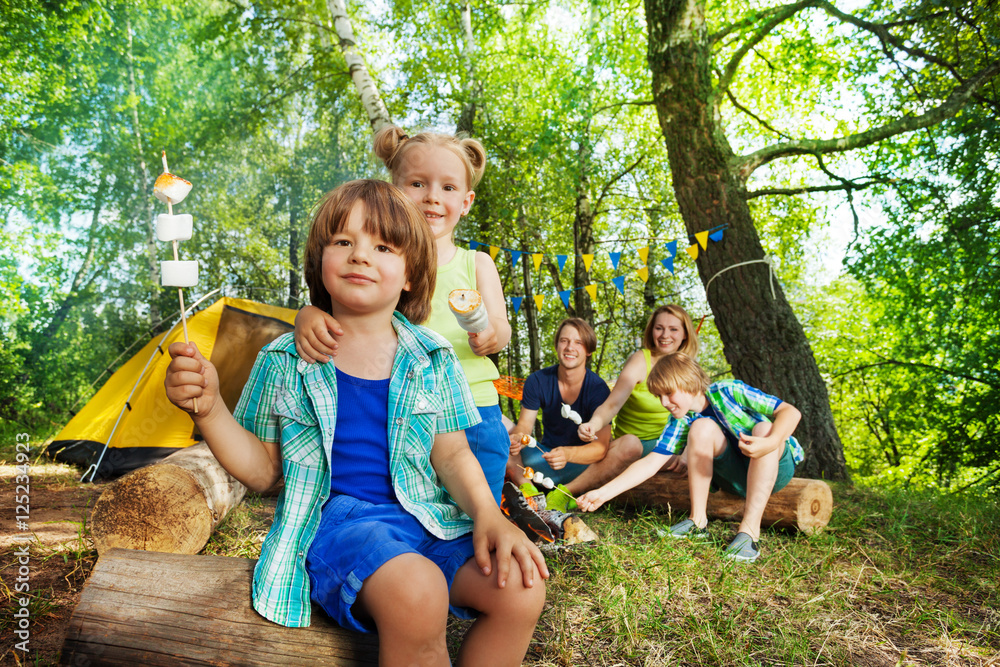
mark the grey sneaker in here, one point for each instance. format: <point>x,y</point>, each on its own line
<point>687,529</point>
<point>742,548</point>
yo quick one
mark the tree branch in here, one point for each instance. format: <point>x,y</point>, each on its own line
<point>914,364</point>
<point>848,185</point>
<point>745,165</point>
<point>757,118</point>
<point>622,174</point>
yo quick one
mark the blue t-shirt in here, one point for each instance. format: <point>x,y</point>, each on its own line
<point>541,392</point>
<point>359,462</point>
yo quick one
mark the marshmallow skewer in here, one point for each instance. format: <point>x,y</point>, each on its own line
<point>537,477</point>
<point>170,189</point>
<point>571,414</point>
<point>528,441</point>
<point>468,308</point>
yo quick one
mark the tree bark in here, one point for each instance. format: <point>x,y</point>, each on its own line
<point>805,504</point>
<point>371,100</point>
<point>763,340</point>
<point>171,506</point>
<point>146,608</point>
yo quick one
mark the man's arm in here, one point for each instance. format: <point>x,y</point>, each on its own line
<point>592,452</point>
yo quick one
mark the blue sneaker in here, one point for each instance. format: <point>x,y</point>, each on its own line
<point>687,529</point>
<point>742,548</point>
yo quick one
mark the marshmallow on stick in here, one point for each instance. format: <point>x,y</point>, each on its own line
<point>469,310</point>
<point>171,190</point>
<point>571,414</point>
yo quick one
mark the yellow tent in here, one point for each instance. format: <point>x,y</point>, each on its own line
<point>130,423</point>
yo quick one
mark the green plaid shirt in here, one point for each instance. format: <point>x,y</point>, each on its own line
<point>738,405</point>
<point>294,403</point>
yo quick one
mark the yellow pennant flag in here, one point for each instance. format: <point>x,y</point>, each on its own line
<point>493,252</point>
<point>591,289</point>
<point>587,261</point>
<point>644,255</point>
<point>643,273</point>
<point>702,239</point>
<point>693,251</point>
<point>538,301</point>
<point>537,259</point>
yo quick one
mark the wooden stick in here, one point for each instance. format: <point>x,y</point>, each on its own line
<point>555,487</point>
<point>180,290</point>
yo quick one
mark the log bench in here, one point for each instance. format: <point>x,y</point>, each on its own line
<point>151,608</point>
<point>804,504</point>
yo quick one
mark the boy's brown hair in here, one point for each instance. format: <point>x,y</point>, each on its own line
<point>677,372</point>
<point>389,215</point>
<point>690,344</point>
<point>587,335</point>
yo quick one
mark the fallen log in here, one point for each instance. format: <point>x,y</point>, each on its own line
<point>804,504</point>
<point>172,506</point>
<point>147,608</point>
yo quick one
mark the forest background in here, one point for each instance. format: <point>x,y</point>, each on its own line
<point>852,146</point>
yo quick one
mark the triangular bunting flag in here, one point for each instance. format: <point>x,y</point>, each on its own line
<point>493,252</point>
<point>644,254</point>
<point>643,273</point>
<point>693,251</point>
<point>716,236</point>
<point>672,248</point>
<point>514,256</point>
<point>564,295</point>
<point>473,245</point>
<point>592,291</point>
<point>702,239</point>
<point>538,301</point>
<point>516,302</point>
<point>537,259</point>
<point>562,261</point>
<point>615,258</point>
<point>619,282</point>
<point>587,261</point>
<point>668,264</point>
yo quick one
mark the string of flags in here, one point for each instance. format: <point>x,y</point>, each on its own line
<point>699,244</point>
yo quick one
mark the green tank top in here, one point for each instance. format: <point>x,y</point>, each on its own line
<point>460,273</point>
<point>642,415</point>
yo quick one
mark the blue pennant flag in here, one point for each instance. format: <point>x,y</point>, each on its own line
<point>516,302</point>
<point>668,264</point>
<point>515,255</point>
<point>474,245</point>
<point>615,258</point>
<point>564,295</point>
<point>562,261</point>
<point>716,236</point>
<point>672,249</point>
<point>619,282</point>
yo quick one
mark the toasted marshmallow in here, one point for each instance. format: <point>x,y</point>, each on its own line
<point>171,189</point>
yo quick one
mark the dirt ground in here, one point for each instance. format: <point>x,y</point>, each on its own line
<point>60,558</point>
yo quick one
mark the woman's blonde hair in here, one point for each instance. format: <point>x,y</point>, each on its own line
<point>392,144</point>
<point>390,215</point>
<point>677,372</point>
<point>690,344</point>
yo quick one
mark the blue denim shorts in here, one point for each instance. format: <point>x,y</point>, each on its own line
<point>490,442</point>
<point>355,538</point>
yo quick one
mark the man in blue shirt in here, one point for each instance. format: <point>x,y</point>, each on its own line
<point>562,456</point>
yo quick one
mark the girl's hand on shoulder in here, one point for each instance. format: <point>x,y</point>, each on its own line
<point>485,342</point>
<point>314,335</point>
<point>191,376</point>
<point>498,535</point>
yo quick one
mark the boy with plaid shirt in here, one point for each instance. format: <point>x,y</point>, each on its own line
<point>728,439</point>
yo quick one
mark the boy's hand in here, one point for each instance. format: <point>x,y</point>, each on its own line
<point>314,335</point>
<point>588,430</point>
<point>556,458</point>
<point>677,463</point>
<point>485,342</point>
<point>496,534</point>
<point>190,375</point>
<point>591,500</point>
<point>756,446</point>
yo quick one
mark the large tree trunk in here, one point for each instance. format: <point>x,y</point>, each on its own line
<point>764,342</point>
<point>371,100</point>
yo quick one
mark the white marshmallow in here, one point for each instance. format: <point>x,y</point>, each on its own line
<point>179,273</point>
<point>174,227</point>
<point>548,483</point>
<point>571,414</point>
<point>537,479</point>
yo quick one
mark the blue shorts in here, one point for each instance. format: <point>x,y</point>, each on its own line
<point>490,443</point>
<point>355,538</point>
<point>729,469</point>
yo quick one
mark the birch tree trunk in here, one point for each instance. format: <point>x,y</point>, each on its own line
<point>371,100</point>
<point>763,340</point>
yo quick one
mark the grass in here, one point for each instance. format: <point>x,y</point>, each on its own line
<point>897,578</point>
